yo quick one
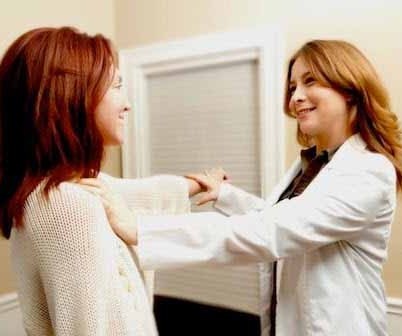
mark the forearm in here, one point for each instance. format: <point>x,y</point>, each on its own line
<point>156,194</point>
<point>234,201</point>
<point>168,242</point>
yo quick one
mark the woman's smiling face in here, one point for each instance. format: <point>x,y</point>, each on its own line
<point>112,111</point>
<point>321,112</point>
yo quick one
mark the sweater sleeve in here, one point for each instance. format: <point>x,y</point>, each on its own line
<point>235,201</point>
<point>77,264</point>
<point>161,194</point>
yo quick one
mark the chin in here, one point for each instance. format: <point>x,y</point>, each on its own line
<point>308,130</point>
<point>114,142</point>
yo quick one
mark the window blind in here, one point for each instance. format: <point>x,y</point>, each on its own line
<point>200,118</point>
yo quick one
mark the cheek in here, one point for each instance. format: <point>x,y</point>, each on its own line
<point>106,107</point>
<point>291,105</point>
<point>115,102</point>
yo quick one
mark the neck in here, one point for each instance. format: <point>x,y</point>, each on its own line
<point>331,143</point>
<point>340,131</point>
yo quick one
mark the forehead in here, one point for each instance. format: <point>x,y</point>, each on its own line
<point>299,69</point>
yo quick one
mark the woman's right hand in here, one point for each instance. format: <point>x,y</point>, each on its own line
<point>121,219</point>
<point>210,181</point>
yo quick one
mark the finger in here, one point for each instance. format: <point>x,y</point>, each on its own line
<point>207,197</point>
<point>224,173</point>
<point>218,173</point>
<point>98,192</point>
<point>91,182</point>
<point>194,175</point>
<point>93,190</point>
<point>203,180</point>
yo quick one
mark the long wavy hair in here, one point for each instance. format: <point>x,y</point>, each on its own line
<point>51,80</point>
<point>341,66</point>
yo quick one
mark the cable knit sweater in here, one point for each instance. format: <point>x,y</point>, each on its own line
<point>74,275</point>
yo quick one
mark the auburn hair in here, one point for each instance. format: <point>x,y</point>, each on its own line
<point>341,66</point>
<point>51,81</point>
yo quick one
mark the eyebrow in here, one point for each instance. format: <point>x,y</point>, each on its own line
<point>117,81</point>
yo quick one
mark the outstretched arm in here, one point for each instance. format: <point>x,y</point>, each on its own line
<point>227,198</point>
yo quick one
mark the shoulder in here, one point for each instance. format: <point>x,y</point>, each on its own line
<point>366,171</point>
<point>66,194</point>
<point>66,203</point>
<point>378,166</point>
<point>70,221</point>
<point>354,157</point>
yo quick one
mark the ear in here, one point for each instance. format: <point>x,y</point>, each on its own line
<point>353,115</point>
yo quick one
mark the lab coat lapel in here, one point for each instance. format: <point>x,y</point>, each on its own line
<point>274,197</point>
<point>284,183</point>
<point>344,154</point>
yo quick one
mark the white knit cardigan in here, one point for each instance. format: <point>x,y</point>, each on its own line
<point>74,275</point>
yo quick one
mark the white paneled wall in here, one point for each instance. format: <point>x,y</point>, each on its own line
<point>10,316</point>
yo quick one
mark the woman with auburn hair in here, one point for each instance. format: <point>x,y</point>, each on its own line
<point>326,225</point>
<point>61,103</point>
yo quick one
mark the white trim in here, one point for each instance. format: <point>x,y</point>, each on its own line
<point>263,45</point>
<point>271,114</point>
<point>394,306</point>
<point>206,60</point>
<point>8,302</point>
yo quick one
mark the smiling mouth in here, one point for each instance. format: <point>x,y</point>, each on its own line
<point>301,113</point>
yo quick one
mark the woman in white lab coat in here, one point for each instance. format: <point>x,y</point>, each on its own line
<point>330,236</point>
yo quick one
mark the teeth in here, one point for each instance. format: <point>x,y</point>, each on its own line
<point>306,110</point>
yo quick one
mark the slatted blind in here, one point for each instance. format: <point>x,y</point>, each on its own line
<point>201,118</point>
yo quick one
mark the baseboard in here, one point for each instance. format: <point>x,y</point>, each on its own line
<point>394,306</point>
<point>8,302</point>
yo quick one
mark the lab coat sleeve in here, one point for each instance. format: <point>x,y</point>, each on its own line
<point>340,206</point>
<point>156,195</point>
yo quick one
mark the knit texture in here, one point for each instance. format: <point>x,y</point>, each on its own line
<point>74,275</point>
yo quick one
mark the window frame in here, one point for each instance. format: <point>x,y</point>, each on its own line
<point>263,45</point>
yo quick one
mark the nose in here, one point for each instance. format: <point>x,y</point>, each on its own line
<point>127,106</point>
<point>298,95</point>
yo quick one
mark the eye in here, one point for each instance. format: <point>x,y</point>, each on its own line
<point>118,86</point>
<point>309,80</point>
<point>291,89</point>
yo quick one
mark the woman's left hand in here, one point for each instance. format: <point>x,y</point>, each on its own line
<point>210,181</point>
<point>121,219</point>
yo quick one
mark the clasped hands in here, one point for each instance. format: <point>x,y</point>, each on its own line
<point>123,221</point>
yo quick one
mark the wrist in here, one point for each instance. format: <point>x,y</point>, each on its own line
<point>193,187</point>
<point>128,231</point>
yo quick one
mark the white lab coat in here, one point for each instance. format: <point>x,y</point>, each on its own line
<point>330,242</point>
